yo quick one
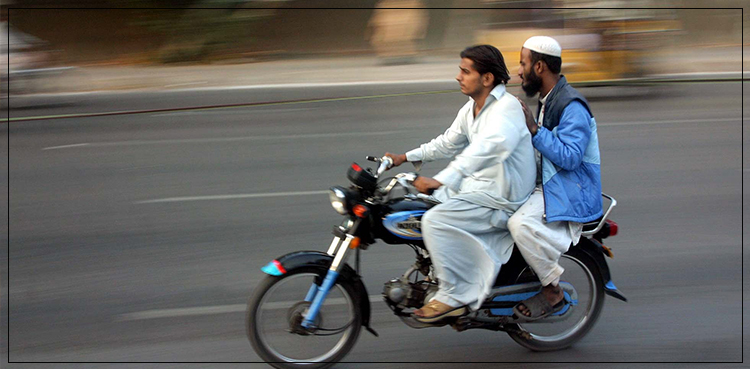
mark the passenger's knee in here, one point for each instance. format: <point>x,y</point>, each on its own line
<point>518,227</point>
<point>514,224</point>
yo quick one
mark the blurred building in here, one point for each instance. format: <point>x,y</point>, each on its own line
<point>396,27</point>
<point>263,30</point>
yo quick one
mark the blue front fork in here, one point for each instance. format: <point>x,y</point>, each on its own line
<point>317,294</point>
<point>311,293</point>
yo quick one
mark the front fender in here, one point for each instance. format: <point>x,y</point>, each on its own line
<point>322,261</point>
<point>593,249</point>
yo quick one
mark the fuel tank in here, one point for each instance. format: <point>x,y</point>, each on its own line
<point>401,222</point>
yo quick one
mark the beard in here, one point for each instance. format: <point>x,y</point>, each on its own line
<point>532,84</point>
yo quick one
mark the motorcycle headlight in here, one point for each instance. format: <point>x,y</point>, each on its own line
<point>338,200</point>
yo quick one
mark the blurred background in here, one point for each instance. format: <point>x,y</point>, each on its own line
<point>161,152</point>
<point>602,40</point>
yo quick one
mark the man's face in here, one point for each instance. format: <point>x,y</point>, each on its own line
<point>530,81</point>
<point>468,78</point>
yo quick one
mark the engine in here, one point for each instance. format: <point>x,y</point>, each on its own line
<point>401,294</point>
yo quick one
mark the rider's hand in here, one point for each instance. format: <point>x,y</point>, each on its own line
<point>426,185</point>
<point>530,122</point>
<point>398,159</point>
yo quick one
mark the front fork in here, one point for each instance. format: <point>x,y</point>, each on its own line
<point>317,294</point>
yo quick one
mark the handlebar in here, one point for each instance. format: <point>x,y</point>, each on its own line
<point>385,164</point>
<point>405,179</point>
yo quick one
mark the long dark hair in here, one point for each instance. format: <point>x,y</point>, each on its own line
<point>488,59</point>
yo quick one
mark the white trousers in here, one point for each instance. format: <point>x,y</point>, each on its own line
<point>540,243</point>
<point>467,243</point>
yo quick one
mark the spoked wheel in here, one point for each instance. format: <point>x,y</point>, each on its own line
<point>275,314</point>
<point>583,274</point>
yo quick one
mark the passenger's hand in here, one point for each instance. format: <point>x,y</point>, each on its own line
<point>398,159</point>
<point>530,122</point>
<point>426,185</point>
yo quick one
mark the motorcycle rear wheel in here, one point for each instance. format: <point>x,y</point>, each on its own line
<point>282,342</point>
<point>541,336</point>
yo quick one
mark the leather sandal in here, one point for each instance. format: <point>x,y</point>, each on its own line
<point>435,310</point>
<point>539,308</point>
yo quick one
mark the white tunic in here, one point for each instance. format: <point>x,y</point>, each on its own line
<point>494,159</point>
<point>492,174</point>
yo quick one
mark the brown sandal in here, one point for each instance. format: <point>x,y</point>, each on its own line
<point>538,307</point>
<point>435,310</point>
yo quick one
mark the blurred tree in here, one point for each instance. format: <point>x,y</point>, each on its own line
<point>199,30</point>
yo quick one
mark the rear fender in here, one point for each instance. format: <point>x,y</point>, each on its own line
<point>594,250</point>
<point>322,261</point>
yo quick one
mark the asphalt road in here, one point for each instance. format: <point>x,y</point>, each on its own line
<point>139,237</point>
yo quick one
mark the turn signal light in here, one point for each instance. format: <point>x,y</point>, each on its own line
<point>360,210</point>
<point>354,244</point>
<point>612,227</point>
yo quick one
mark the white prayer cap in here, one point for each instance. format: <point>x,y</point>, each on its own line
<point>543,45</point>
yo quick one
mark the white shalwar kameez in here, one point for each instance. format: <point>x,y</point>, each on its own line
<point>539,242</point>
<point>491,176</point>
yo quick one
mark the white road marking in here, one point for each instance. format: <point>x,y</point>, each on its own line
<point>221,309</point>
<point>232,197</point>
<point>256,110</point>
<point>229,139</point>
<point>169,313</point>
<point>342,134</point>
<point>313,84</point>
<point>65,146</point>
<point>708,120</point>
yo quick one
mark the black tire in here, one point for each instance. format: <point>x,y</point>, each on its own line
<point>277,360</point>
<point>536,342</point>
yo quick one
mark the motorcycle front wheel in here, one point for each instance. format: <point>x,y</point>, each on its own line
<point>277,308</point>
<point>582,272</point>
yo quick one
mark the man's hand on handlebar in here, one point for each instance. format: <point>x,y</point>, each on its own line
<point>398,159</point>
<point>426,185</point>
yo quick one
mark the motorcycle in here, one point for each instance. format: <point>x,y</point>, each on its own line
<point>310,308</point>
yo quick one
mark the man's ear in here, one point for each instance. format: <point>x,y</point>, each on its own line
<point>488,79</point>
<point>539,67</point>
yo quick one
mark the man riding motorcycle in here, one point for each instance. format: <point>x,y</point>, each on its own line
<point>309,309</point>
<point>492,174</point>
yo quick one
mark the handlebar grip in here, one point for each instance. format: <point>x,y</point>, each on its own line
<point>371,158</point>
<point>388,161</point>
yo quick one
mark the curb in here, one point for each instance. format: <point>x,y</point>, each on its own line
<point>671,78</point>
<point>653,79</point>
